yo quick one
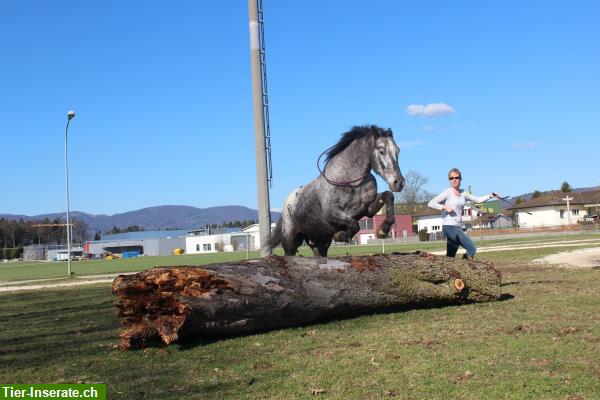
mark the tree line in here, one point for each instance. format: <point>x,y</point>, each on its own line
<point>235,224</point>
<point>14,234</point>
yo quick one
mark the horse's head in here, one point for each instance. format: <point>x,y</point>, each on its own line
<point>384,159</point>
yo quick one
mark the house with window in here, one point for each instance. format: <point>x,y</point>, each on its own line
<point>227,239</point>
<point>211,242</point>
<point>431,219</point>
<point>557,209</point>
<point>494,220</point>
<point>369,226</point>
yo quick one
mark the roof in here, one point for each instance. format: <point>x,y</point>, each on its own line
<point>140,235</point>
<point>256,227</point>
<point>146,235</point>
<point>427,212</point>
<point>556,198</point>
<point>492,217</point>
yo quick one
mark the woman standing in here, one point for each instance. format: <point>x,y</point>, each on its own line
<point>451,202</point>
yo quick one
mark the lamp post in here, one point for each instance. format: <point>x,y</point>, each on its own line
<point>70,116</point>
<point>567,199</point>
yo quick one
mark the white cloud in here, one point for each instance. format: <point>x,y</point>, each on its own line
<point>428,128</point>
<point>429,110</point>
<point>525,145</point>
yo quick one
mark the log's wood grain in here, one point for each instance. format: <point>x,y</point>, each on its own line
<point>169,304</point>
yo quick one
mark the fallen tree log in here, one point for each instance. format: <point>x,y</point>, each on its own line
<point>168,304</point>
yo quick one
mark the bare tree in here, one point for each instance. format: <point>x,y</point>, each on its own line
<point>413,194</point>
<point>11,227</point>
<point>80,231</point>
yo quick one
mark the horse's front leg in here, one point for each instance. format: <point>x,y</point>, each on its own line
<point>386,198</point>
<point>341,218</point>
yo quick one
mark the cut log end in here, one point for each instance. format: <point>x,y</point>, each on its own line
<point>459,284</point>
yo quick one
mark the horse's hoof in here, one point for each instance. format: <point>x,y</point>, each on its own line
<point>339,237</point>
<point>383,231</point>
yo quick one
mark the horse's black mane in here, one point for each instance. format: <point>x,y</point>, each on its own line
<point>357,132</point>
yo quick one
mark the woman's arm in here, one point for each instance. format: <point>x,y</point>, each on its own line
<point>481,199</point>
<point>437,201</point>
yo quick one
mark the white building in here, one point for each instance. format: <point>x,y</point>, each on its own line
<point>432,219</point>
<point>253,231</point>
<point>551,209</point>
<point>63,255</point>
<point>247,239</point>
<point>216,243</point>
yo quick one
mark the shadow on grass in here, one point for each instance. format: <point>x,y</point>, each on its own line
<point>46,328</point>
<point>506,297</point>
<point>533,282</point>
<point>189,342</point>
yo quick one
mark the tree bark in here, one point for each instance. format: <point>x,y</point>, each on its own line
<point>169,304</point>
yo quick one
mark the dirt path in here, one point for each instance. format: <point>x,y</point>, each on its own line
<point>13,288</point>
<point>583,258</point>
<point>46,284</point>
<point>524,246</point>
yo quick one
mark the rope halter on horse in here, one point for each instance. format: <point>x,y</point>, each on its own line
<point>335,183</point>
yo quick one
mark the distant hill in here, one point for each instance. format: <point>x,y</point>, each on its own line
<point>157,218</point>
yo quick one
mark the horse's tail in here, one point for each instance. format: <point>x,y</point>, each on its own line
<point>276,235</point>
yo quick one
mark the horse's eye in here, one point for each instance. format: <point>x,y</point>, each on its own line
<point>382,152</point>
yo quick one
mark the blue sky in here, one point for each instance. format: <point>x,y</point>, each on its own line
<point>509,92</point>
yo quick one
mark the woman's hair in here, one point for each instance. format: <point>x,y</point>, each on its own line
<point>456,170</point>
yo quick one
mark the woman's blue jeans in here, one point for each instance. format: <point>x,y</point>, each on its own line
<point>455,237</point>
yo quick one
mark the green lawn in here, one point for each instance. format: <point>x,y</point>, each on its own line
<point>42,270</point>
<point>541,342</point>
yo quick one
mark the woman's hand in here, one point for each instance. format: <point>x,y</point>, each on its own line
<point>446,208</point>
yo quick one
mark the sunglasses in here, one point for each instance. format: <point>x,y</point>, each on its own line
<point>454,177</point>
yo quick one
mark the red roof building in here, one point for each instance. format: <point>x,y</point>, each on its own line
<point>369,227</point>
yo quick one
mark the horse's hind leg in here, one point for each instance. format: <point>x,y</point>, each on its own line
<point>386,198</point>
<point>319,248</point>
<point>290,242</point>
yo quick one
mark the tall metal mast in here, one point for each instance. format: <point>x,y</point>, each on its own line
<point>262,135</point>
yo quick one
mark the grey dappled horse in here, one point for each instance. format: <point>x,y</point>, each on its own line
<point>329,207</point>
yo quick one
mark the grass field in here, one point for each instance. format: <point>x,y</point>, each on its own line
<point>541,342</point>
<point>44,270</point>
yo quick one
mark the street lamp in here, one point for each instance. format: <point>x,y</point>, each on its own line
<point>70,116</point>
<point>567,199</point>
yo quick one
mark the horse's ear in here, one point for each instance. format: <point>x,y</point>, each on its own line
<point>389,132</point>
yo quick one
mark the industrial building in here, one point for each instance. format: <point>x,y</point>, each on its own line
<point>157,243</point>
<point>134,244</point>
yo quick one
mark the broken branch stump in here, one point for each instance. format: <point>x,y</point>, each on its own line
<point>169,304</point>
